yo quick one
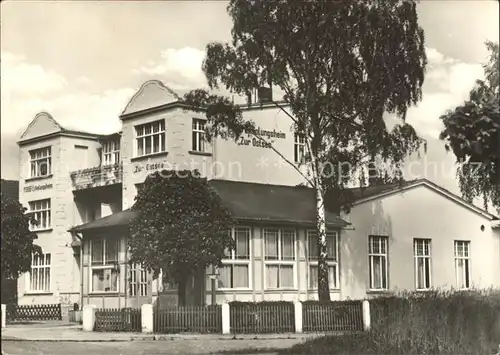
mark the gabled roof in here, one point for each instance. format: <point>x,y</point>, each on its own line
<point>154,96</point>
<point>247,202</point>
<point>10,188</point>
<point>373,192</point>
<point>152,93</point>
<point>45,126</point>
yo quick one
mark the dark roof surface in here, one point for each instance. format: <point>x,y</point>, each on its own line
<point>119,219</point>
<point>10,188</point>
<point>271,203</point>
<point>247,202</point>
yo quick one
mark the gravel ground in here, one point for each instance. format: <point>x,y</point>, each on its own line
<point>174,347</point>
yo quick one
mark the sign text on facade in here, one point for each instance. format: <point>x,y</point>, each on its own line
<point>259,141</point>
<point>37,187</point>
<point>149,167</point>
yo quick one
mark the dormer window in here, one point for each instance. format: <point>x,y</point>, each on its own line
<point>111,152</point>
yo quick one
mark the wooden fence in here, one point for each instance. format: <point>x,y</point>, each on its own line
<point>33,312</point>
<point>192,319</point>
<point>237,318</point>
<point>262,317</point>
<point>332,316</point>
<point>118,320</point>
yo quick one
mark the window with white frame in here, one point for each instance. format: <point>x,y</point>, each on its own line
<point>422,255</point>
<point>377,255</point>
<point>299,148</point>
<point>40,211</point>
<point>40,273</point>
<point>41,162</point>
<point>150,138</point>
<point>235,269</point>
<point>111,151</point>
<point>138,280</point>
<point>462,263</point>
<point>279,257</point>
<point>198,135</point>
<point>332,259</point>
<point>104,264</point>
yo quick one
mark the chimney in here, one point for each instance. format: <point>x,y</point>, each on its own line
<point>265,94</point>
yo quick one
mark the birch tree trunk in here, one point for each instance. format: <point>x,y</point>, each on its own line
<point>323,285</point>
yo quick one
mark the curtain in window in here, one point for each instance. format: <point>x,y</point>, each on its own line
<point>242,244</point>
<point>271,240</point>
<point>240,276</point>
<point>272,276</point>
<point>97,251</point>
<point>288,246</point>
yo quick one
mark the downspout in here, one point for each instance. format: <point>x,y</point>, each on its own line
<point>81,268</point>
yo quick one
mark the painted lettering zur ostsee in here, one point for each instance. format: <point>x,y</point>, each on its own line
<point>149,167</point>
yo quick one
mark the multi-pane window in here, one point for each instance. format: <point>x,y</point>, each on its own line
<point>138,280</point>
<point>111,152</point>
<point>280,257</point>
<point>40,162</point>
<point>198,135</point>
<point>299,148</point>
<point>377,255</point>
<point>150,138</point>
<point>40,273</point>
<point>40,211</point>
<point>235,271</point>
<point>104,264</point>
<point>462,263</point>
<point>332,259</point>
<point>422,255</point>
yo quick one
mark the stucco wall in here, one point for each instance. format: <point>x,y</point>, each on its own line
<point>417,213</point>
<point>65,274</point>
<point>224,158</point>
<point>178,145</point>
<point>258,163</point>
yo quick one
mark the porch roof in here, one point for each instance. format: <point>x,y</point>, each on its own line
<point>119,219</point>
<point>247,202</point>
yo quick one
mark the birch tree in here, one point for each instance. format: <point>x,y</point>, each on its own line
<point>341,66</point>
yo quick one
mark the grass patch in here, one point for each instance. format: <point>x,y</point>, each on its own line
<point>436,322</point>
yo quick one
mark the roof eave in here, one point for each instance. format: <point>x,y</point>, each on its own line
<point>434,187</point>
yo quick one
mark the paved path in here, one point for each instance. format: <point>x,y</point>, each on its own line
<point>74,333</point>
<point>59,338</point>
<point>176,347</point>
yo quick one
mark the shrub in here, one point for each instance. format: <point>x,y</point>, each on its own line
<point>435,322</point>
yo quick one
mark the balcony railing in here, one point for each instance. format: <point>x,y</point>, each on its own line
<point>97,176</point>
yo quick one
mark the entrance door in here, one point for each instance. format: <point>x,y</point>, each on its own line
<point>140,286</point>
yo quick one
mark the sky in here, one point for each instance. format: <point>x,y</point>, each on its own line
<point>83,61</point>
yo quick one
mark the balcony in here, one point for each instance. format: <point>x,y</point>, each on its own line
<point>98,176</point>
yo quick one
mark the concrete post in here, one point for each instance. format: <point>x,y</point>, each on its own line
<point>4,315</point>
<point>366,315</point>
<point>226,324</point>
<point>88,317</point>
<point>147,318</point>
<point>298,317</point>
